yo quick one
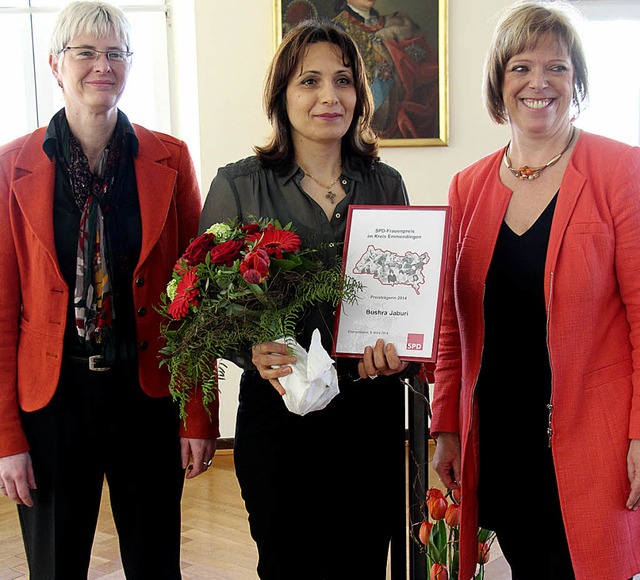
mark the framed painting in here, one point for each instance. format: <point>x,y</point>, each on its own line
<point>404,47</point>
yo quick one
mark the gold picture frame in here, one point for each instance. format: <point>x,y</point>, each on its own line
<point>404,45</point>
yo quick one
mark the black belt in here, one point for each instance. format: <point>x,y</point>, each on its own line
<point>95,363</point>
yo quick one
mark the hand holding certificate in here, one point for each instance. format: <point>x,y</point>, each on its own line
<point>397,253</point>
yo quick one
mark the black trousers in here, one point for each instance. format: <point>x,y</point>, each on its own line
<point>528,521</point>
<point>102,424</point>
<point>537,554</point>
<point>324,492</point>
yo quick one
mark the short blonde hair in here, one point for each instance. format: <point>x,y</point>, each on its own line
<point>520,28</point>
<point>98,19</point>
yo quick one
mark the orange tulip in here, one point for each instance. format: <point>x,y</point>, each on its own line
<point>425,530</point>
<point>433,493</point>
<point>452,515</point>
<point>438,572</point>
<point>483,553</point>
<point>437,507</point>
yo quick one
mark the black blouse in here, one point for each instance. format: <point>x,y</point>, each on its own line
<point>514,385</point>
<point>247,189</point>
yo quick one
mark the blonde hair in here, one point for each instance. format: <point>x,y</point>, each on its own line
<point>521,27</point>
<point>98,19</point>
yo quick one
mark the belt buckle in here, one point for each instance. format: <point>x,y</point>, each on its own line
<point>97,364</point>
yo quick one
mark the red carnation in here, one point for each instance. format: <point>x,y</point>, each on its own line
<point>255,266</point>
<point>197,250</point>
<point>226,252</point>
<point>186,295</point>
<point>275,241</point>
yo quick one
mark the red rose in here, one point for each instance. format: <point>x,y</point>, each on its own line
<point>251,228</point>
<point>181,266</point>
<point>197,250</point>
<point>255,266</point>
<point>186,295</point>
<point>226,252</point>
<point>275,241</point>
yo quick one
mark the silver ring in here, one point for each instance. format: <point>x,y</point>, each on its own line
<point>207,463</point>
<point>373,377</point>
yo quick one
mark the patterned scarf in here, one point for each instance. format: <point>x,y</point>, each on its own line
<point>93,192</point>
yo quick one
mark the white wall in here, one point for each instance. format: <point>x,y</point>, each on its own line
<point>219,112</point>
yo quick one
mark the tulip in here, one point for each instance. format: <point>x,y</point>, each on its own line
<point>456,494</point>
<point>438,572</point>
<point>452,515</point>
<point>425,530</point>
<point>437,507</point>
<point>483,553</point>
<point>434,492</point>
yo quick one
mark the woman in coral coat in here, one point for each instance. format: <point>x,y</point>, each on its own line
<point>537,396</point>
<point>94,212</point>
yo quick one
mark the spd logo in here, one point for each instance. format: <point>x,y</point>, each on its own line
<point>415,341</point>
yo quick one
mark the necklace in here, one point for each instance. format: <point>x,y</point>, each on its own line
<point>330,195</point>
<point>526,172</point>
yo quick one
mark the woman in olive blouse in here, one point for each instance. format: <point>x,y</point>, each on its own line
<point>324,492</point>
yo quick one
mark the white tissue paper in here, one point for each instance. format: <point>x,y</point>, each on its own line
<point>313,381</point>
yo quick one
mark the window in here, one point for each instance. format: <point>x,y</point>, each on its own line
<point>611,38</point>
<point>30,96</point>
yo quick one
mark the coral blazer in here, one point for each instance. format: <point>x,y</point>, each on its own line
<point>34,295</point>
<point>592,293</point>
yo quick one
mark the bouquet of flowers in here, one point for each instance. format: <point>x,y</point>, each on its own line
<point>439,536</point>
<point>235,286</point>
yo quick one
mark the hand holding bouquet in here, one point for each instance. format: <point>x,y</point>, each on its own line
<point>235,286</point>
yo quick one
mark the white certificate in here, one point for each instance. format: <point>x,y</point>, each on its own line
<point>398,254</point>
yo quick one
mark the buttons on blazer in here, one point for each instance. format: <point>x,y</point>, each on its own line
<point>140,281</point>
<point>142,311</point>
<point>144,345</point>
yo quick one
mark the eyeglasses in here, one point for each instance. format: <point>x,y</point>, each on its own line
<point>82,53</point>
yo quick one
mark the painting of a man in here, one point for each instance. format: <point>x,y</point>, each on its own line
<point>401,65</point>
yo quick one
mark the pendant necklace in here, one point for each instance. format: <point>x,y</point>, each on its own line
<point>526,172</point>
<point>329,195</point>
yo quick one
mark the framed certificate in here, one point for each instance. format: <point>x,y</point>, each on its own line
<point>398,253</point>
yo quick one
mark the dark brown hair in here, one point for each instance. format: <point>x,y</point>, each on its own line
<point>360,140</point>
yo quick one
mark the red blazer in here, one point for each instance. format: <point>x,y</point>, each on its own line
<point>592,293</point>
<point>34,295</point>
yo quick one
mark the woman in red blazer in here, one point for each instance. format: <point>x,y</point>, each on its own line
<point>94,213</point>
<point>537,394</point>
